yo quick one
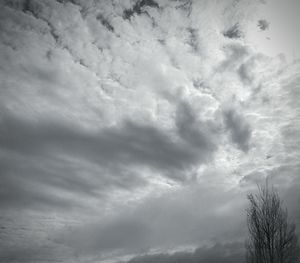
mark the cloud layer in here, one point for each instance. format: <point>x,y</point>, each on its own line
<point>134,128</point>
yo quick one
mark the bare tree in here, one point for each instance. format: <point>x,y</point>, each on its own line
<point>272,237</point>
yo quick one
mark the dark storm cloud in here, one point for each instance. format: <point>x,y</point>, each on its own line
<point>239,129</point>
<point>219,253</point>
<point>38,182</point>
<point>130,144</point>
<point>35,161</point>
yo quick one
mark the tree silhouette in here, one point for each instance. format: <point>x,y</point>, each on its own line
<point>272,237</point>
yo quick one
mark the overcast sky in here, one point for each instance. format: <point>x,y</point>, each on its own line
<point>132,131</point>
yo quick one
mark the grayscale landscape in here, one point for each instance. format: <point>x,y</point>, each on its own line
<point>149,131</point>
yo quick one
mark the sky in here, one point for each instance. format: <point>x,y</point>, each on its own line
<point>132,131</point>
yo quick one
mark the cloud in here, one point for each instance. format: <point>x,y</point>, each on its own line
<point>236,54</point>
<point>233,32</point>
<point>199,133</point>
<point>45,153</point>
<point>263,24</point>
<point>239,129</point>
<point>180,218</point>
<point>139,8</point>
<point>231,252</point>
<point>124,126</point>
<point>131,143</point>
